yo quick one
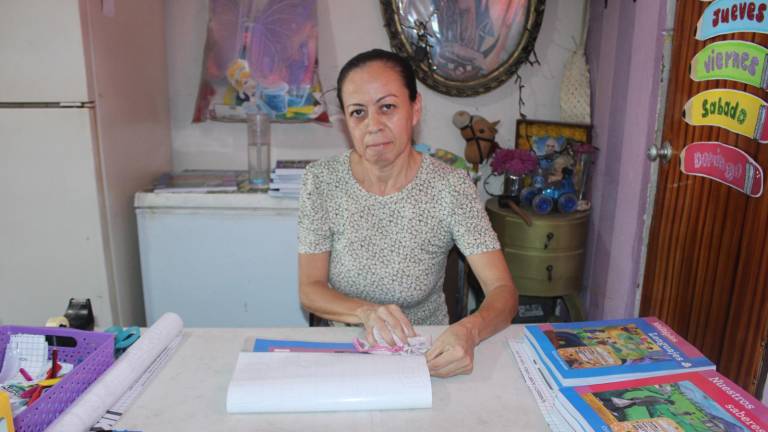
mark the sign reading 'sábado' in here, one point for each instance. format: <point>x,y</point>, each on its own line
<point>732,60</point>
<point>724,164</point>
<point>731,16</point>
<point>734,110</point>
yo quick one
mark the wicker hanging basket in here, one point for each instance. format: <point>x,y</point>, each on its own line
<point>574,88</point>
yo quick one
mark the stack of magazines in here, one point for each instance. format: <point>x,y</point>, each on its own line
<point>286,178</point>
<point>200,181</point>
<point>629,375</point>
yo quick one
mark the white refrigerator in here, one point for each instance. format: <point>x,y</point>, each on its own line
<point>84,124</point>
<point>220,260</point>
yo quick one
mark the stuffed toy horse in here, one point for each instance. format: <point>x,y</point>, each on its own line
<point>480,135</point>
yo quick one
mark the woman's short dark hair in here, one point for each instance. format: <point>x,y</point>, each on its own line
<point>399,62</point>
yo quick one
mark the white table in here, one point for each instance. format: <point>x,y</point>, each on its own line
<point>190,392</point>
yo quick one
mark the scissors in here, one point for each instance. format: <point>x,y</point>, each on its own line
<point>124,337</point>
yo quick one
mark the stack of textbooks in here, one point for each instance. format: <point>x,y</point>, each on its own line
<point>285,180</point>
<point>629,375</point>
<point>200,181</point>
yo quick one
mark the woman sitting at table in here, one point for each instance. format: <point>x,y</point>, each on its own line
<point>376,225</point>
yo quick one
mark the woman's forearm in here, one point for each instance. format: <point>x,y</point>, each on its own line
<point>326,302</point>
<point>318,297</point>
<point>494,314</point>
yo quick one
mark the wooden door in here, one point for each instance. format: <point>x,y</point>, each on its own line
<point>707,264</point>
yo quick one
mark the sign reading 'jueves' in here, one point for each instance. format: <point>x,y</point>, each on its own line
<point>730,16</point>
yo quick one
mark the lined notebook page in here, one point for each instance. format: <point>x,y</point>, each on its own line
<point>290,382</point>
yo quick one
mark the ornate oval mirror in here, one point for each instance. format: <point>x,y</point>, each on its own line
<point>463,47</point>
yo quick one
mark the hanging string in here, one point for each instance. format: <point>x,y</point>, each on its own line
<point>520,101</point>
<point>584,25</point>
<point>533,60</point>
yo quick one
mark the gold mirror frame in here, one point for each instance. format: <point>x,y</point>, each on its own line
<point>415,38</point>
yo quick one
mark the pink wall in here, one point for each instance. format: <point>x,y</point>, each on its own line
<point>624,51</point>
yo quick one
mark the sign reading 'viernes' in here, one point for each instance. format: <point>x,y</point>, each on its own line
<point>734,110</point>
<point>724,164</point>
<point>731,16</point>
<point>732,60</point>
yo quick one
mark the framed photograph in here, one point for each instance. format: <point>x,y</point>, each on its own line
<point>559,146</point>
<point>463,48</point>
<point>551,138</point>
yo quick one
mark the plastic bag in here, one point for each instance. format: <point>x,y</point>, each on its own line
<point>261,53</point>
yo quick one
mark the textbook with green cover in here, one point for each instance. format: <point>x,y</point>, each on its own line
<point>686,402</point>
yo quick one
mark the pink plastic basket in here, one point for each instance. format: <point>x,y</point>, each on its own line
<point>91,352</point>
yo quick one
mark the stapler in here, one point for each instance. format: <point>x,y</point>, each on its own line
<point>80,314</point>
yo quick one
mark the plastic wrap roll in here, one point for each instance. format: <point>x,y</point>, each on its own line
<point>106,390</point>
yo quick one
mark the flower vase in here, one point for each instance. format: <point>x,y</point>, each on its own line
<point>581,175</point>
<point>512,185</point>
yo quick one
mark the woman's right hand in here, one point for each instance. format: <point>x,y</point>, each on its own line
<point>388,321</point>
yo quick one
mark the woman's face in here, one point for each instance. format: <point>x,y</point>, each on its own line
<point>379,115</point>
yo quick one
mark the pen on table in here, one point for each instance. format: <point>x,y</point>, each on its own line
<point>25,374</point>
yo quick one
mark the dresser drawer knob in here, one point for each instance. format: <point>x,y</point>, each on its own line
<point>550,236</point>
<point>550,268</point>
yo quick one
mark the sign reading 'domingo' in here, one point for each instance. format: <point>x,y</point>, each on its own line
<point>724,164</point>
<point>734,110</point>
<point>731,16</point>
<point>732,60</point>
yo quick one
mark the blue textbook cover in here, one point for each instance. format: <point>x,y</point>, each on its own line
<point>592,352</point>
<point>281,345</point>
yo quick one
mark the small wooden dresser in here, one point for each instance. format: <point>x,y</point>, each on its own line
<point>547,258</point>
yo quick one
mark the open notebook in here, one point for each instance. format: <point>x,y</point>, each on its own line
<point>311,381</point>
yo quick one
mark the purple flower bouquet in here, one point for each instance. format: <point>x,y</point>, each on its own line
<point>514,162</point>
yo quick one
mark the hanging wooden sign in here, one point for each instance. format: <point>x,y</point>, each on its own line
<point>724,164</point>
<point>731,16</point>
<point>732,60</point>
<point>734,110</point>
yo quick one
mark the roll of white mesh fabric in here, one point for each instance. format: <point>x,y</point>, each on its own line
<point>116,380</point>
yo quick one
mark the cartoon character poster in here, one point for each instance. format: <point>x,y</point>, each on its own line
<point>261,54</point>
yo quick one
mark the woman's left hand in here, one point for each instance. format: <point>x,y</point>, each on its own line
<point>453,352</point>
